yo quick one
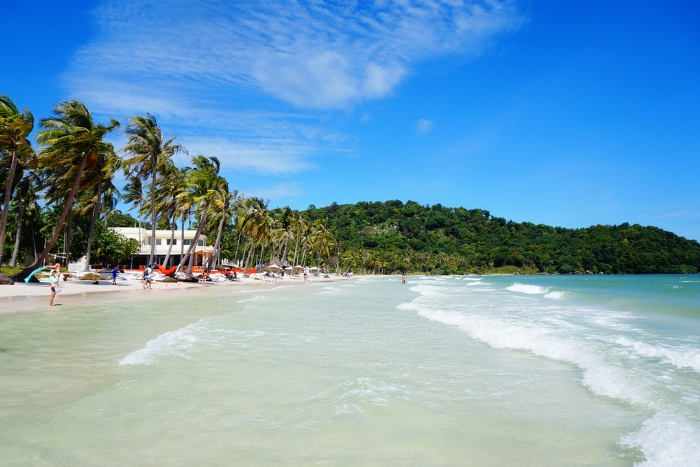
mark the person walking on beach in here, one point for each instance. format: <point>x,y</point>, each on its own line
<point>115,270</point>
<point>306,275</point>
<point>147,277</point>
<point>53,279</point>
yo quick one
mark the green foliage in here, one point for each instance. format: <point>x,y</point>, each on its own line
<point>119,219</point>
<point>111,247</point>
<point>435,239</point>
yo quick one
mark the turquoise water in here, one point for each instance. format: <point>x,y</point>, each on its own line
<point>574,370</point>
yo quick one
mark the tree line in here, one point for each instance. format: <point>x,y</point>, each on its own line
<point>59,198</point>
<point>392,235</point>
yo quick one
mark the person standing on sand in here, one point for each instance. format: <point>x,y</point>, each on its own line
<point>147,277</point>
<point>53,279</point>
<point>114,275</point>
<point>306,275</point>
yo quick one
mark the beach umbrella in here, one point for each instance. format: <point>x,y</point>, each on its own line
<point>273,266</point>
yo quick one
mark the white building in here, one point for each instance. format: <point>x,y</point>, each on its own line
<point>201,253</point>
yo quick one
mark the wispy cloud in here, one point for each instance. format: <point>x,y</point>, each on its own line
<point>310,53</point>
<point>423,126</point>
<point>245,80</point>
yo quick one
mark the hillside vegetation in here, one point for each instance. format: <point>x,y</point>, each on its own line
<point>392,235</point>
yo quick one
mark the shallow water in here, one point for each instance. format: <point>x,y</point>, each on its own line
<point>443,371</point>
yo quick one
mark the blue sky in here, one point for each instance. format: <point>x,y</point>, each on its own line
<point>563,113</point>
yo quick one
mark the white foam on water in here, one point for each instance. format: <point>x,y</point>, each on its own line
<point>170,343</point>
<point>557,294</point>
<point>256,298</point>
<point>678,358</point>
<point>571,335</point>
<point>600,377</point>
<point>528,289</point>
<point>666,441</point>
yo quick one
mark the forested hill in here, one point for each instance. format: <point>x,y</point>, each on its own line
<point>411,237</point>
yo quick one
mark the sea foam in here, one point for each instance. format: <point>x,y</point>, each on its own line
<point>528,289</point>
<point>678,358</point>
<point>666,439</point>
<point>170,343</point>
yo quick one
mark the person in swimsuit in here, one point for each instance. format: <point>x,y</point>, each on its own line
<point>115,270</point>
<point>53,279</point>
<point>147,277</point>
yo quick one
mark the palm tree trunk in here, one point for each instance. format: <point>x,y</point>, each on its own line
<point>296,247</point>
<point>182,236</point>
<point>33,240</point>
<point>235,256</point>
<point>306,244</point>
<point>153,215</point>
<point>95,213</point>
<point>193,245</point>
<point>218,241</point>
<point>173,226</point>
<point>13,261</point>
<point>69,231</point>
<point>248,256</point>
<point>59,226</point>
<point>286,248</point>
<point>262,252</point>
<point>243,256</point>
<point>6,202</point>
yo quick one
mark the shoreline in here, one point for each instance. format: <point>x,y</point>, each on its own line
<point>33,297</point>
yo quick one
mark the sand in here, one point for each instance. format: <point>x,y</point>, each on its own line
<point>35,297</point>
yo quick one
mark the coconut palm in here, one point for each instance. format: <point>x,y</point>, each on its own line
<point>15,126</point>
<point>149,151</point>
<point>258,222</point>
<point>27,198</point>
<point>223,206</point>
<point>70,139</point>
<point>133,195</point>
<point>203,183</point>
<point>171,185</point>
<point>98,186</point>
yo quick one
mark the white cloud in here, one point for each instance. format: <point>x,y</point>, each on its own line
<point>423,126</point>
<point>221,75</point>
<point>275,157</point>
<point>310,53</point>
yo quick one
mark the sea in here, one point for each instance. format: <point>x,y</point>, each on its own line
<point>441,371</point>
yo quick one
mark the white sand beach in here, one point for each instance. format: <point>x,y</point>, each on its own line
<point>35,296</point>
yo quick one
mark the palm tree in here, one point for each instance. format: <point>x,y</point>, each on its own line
<point>171,185</point>
<point>102,169</point>
<point>223,204</point>
<point>203,183</point>
<point>70,139</point>
<point>15,127</point>
<point>27,196</point>
<point>149,151</point>
<point>133,194</point>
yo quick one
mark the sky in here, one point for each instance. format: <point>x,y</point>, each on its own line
<point>563,113</point>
